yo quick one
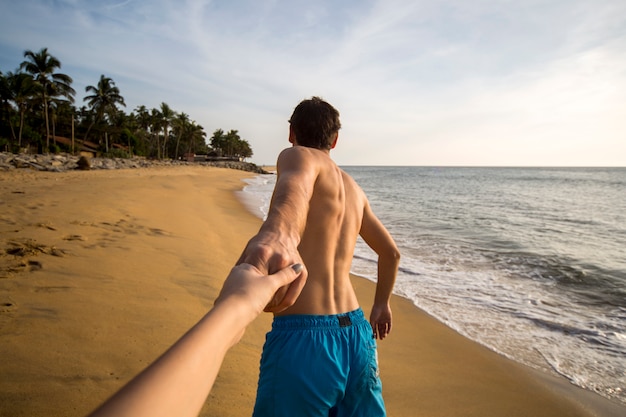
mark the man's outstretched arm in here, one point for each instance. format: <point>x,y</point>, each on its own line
<point>276,244</point>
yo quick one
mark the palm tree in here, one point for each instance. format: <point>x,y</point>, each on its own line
<point>143,117</point>
<point>42,66</point>
<point>21,90</point>
<point>180,126</point>
<point>5,95</point>
<point>196,137</point>
<point>156,122</point>
<point>243,149</point>
<point>104,100</point>
<point>218,141</point>
<point>6,110</point>
<point>188,131</point>
<point>167,115</point>
<point>143,127</point>
<point>232,138</point>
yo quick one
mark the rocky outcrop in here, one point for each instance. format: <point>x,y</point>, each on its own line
<point>67,162</point>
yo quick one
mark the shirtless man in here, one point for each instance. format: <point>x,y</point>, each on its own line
<point>320,357</point>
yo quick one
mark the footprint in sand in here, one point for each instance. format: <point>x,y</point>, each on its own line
<point>159,232</point>
<point>22,250</point>
<point>79,223</point>
<point>35,206</point>
<point>7,305</point>
<point>122,226</point>
<point>46,226</point>
<point>111,226</point>
<point>75,237</point>
<point>34,265</point>
<point>26,247</point>
<point>30,247</point>
<point>23,266</point>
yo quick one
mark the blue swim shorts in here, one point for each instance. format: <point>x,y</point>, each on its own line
<point>320,366</point>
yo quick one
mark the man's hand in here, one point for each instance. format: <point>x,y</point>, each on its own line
<point>249,289</point>
<point>270,253</point>
<point>380,319</point>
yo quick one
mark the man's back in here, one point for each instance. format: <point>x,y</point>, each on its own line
<point>332,226</point>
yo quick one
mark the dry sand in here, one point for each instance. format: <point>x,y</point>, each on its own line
<point>101,271</point>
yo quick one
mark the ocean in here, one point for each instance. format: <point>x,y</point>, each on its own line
<point>530,262</point>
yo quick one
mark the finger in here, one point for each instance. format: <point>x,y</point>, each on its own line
<point>289,293</point>
<point>386,328</point>
<point>287,275</point>
<point>282,280</point>
<point>382,330</point>
<point>255,260</point>
<point>258,256</point>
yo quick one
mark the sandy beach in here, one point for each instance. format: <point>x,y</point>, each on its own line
<point>101,271</point>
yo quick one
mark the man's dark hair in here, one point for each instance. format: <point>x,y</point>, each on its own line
<point>315,123</point>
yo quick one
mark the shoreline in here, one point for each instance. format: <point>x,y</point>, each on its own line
<point>118,264</point>
<point>534,390</point>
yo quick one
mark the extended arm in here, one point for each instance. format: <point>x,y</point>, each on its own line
<point>378,238</point>
<point>276,244</point>
<point>178,383</point>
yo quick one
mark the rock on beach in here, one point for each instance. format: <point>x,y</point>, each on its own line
<point>67,162</point>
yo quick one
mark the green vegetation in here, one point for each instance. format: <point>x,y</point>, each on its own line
<point>38,115</point>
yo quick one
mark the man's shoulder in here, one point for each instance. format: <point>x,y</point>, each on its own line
<point>299,153</point>
<point>302,155</point>
<point>303,150</point>
<point>294,157</point>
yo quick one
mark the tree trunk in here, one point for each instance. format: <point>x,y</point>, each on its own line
<point>13,135</point>
<point>88,130</point>
<point>19,137</point>
<point>45,112</point>
<point>72,134</point>
<point>177,143</point>
<point>165,135</point>
<point>54,133</point>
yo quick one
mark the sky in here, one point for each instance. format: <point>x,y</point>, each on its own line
<point>417,82</point>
